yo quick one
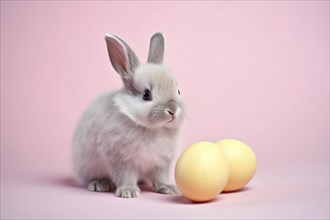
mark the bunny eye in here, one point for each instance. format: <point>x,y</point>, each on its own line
<point>147,95</point>
<point>179,92</point>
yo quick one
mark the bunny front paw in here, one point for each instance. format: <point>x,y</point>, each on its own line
<point>128,192</point>
<point>167,189</point>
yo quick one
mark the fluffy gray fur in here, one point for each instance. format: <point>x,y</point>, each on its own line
<point>122,139</point>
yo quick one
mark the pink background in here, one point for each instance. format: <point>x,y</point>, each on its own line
<point>250,70</point>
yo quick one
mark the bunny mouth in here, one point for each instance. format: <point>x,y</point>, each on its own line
<point>171,119</point>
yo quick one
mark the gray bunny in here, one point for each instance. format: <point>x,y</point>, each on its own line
<point>130,135</point>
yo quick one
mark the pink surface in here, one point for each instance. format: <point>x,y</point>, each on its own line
<point>254,71</point>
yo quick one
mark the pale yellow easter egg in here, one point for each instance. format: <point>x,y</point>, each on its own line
<point>242,163</point>
<point>201,172</point>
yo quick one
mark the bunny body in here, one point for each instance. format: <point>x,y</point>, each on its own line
<point>130,135</point>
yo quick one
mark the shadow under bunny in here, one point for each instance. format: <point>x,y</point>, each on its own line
<point>64,181</point>
<point>71,182</point>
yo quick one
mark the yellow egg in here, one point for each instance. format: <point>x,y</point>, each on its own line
<point>242,163</point>
<point>201,172</point>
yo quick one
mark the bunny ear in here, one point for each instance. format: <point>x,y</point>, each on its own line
<point>156,49</point>
<point>122,58</point>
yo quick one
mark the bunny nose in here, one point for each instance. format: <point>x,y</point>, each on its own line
<point>171,108</point>
<point>169,112</point>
